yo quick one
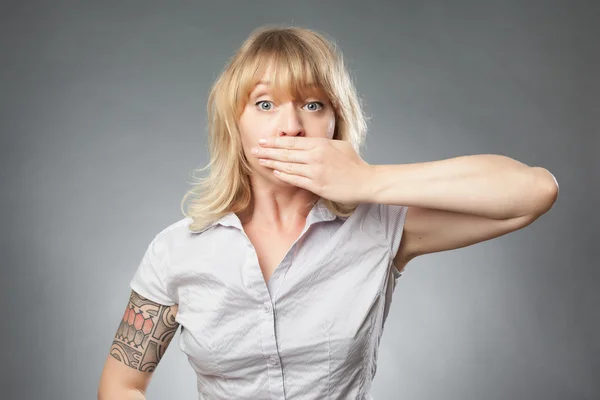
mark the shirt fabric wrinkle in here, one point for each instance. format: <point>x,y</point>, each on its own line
<point>311,332</point>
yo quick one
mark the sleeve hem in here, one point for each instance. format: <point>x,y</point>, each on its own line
<point>142,292</point>
<point>397,274</point>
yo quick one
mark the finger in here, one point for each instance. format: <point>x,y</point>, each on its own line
<point>287,155</point>
<point>287,167</point>
<point>290,142</point>
<point>296,180</point>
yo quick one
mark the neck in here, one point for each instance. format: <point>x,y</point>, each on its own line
<point>279,210</point>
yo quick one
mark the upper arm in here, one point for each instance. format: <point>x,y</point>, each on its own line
<point>143,336</point>
<point>429,230</point>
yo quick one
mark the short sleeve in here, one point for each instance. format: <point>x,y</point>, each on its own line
<point>150,279</point>
<point>392,221</point>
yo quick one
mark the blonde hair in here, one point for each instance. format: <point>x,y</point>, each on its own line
<point>300,57</point>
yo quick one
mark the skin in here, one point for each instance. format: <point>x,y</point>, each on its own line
<point>144,334</point>
<point>142,338</point>
<point>279,205</point>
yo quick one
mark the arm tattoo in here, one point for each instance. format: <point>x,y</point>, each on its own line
<point>144,333</point>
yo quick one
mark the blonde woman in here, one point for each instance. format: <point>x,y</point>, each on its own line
<point>281,274</point>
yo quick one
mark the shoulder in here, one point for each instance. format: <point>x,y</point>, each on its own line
<point>391,218</point>
<point>389,214</point>
<point>384,214</point>
<point>176,227</point>
<point>174,233</point>
<point>385,219</point>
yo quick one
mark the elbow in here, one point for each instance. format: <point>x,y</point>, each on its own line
<point>547,191</point>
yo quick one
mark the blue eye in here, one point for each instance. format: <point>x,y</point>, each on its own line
<point>320,105</point>
<point>263,101</point>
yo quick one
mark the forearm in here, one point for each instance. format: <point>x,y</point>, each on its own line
<point>487,185</point>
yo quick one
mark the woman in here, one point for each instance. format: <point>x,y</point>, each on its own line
<point>281,274</point>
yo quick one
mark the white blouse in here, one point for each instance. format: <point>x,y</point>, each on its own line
<point>311,332</point>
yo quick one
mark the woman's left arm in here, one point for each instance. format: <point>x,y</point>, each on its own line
<point>460,201</point>
<point>451,203</point>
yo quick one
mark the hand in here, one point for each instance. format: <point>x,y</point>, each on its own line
<point>329,168</point>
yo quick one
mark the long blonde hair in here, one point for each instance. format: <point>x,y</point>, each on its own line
<point>300,57</point>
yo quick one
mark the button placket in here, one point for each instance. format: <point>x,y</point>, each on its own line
<point>270,350</point>
<point>267,308</point>
<point>273,360</point>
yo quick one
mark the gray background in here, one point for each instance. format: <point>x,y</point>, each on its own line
<point>102,120</point>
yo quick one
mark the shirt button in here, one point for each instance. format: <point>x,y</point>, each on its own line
<point>273,360</point>
<point>267,308</point>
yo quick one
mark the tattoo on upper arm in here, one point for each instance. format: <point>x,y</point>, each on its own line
<point>144,333</point>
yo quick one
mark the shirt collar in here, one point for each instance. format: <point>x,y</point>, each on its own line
<point>318,213</point>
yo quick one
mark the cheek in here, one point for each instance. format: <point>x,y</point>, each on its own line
<point>249,131</point>
<point>328,126</point>
<point>254,126</point>
<point>250,137</point>
<point>324,126</point>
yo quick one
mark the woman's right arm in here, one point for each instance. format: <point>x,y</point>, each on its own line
<point>142,338</point>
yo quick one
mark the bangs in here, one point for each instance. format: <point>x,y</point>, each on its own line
<point>293,71</point>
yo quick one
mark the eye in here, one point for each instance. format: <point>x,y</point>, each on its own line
<point>314,104</point>
<point>264,102</point>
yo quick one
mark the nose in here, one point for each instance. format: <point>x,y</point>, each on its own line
<point>290,123</point>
